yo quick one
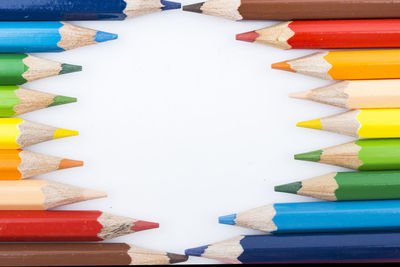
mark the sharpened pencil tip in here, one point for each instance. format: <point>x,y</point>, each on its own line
<point>196,251</point>
<point>143,225</point>
<point>314,156</point>
<point>284,65</point>
<point>300,95</point>
<point>61,100</point>
<point>61,133</point>
<point>312,124</point>
<point>69,163</point>
<point>247,36</point>
<point>176,258</point>
<point>227,219</point>
<point>194,8</point>
<point>289,188</point>
<point>68,68</point>
<point>167,5</point>
<point>105,36</point>
<point>93,194</point>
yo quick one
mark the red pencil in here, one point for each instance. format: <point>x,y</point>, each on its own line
<point>372,33</point>
<point>57,226</point>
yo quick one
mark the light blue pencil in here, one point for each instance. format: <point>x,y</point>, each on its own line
<point>309,217</point>
<point>52,36</point>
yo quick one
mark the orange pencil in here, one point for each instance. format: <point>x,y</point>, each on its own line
<point>16,164</point>
<point>346,65</point>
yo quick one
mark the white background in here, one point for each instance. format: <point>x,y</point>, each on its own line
<point>180,123</point>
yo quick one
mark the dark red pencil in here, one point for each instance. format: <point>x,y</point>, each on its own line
<point>372,33</point>
<point>44,226</point>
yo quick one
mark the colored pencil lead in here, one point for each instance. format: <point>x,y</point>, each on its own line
<point>247,36</point>
<point>68,68</point>
<point>105,36</point>
<point>313,124</point>
<point>288,188</point>
<point>167,5</point>
<point>61,100</point>
<point>314,156</point>
<point>193,8</point>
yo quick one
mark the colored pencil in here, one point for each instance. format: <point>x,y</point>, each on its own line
<point>45,10</point>
<point>66,226</point>
<point>15,100</point>
<point>305,248</point>
<point>52,36</point>
<point>34,194</point>
<point>314,217</point>
<point>297,10</point>
<point>17,133</point>
<point>346,65</point>
<point>356,94</point>
<point>17,164</point>
<point>83,254</point>
<point>373,33</point>
<point>337,186</point>
<point>362,123</point>
<point>16,69</point>
<point>362,155</point>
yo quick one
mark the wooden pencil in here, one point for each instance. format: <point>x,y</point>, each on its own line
<point>356,94</point>
<point>320,217</point>
<point>17,133</point>
<point>305,248</point>
<point>346,65</point>
<point>66,226</point>
<point>50,36</point>
<point>83,254</point>
<point>34,194</point>
<point>373,33</point>
<point>338,186</point>
<point>16,100</point>
<point>17,164</point>
<point>361,123</point>
<point>16,69</point>
<point>43,10</point>
<point>362,155</point>
<point>297,10</point>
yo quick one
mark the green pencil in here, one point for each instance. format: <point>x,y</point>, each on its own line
<point>337,186</point>
<point>363,155</point>
<point>22,68</point>
<point>15,100</point>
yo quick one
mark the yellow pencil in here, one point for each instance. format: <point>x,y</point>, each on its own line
<point>356,94</point>
<point>346,65</point>
<point>361,123</point>
<point>17,133</point>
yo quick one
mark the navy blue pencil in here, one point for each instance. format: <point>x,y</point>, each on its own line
<point>56,10</point>
<point>305,248</point>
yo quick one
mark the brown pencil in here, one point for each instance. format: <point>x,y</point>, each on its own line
<point>83,254</point>
<point>296,9</point>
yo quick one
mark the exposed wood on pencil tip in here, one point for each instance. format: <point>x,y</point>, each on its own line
<point>247,36</point>
<point>69,163</point>
<point>284,65</point>
<point>193,8</point>
<point>300,95</point>
<point>176,258</point>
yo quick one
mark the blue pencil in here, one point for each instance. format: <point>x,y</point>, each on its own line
<point>305,248</point>
<point>313,217</point>
<point>55,10</point>
<point>51,36</point>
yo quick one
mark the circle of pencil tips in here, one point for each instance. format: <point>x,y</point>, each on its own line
<point>41,10</point>
<point>323,217</point>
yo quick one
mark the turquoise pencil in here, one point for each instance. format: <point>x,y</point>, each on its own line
<point>50,36</point>
<point>314,217</point>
